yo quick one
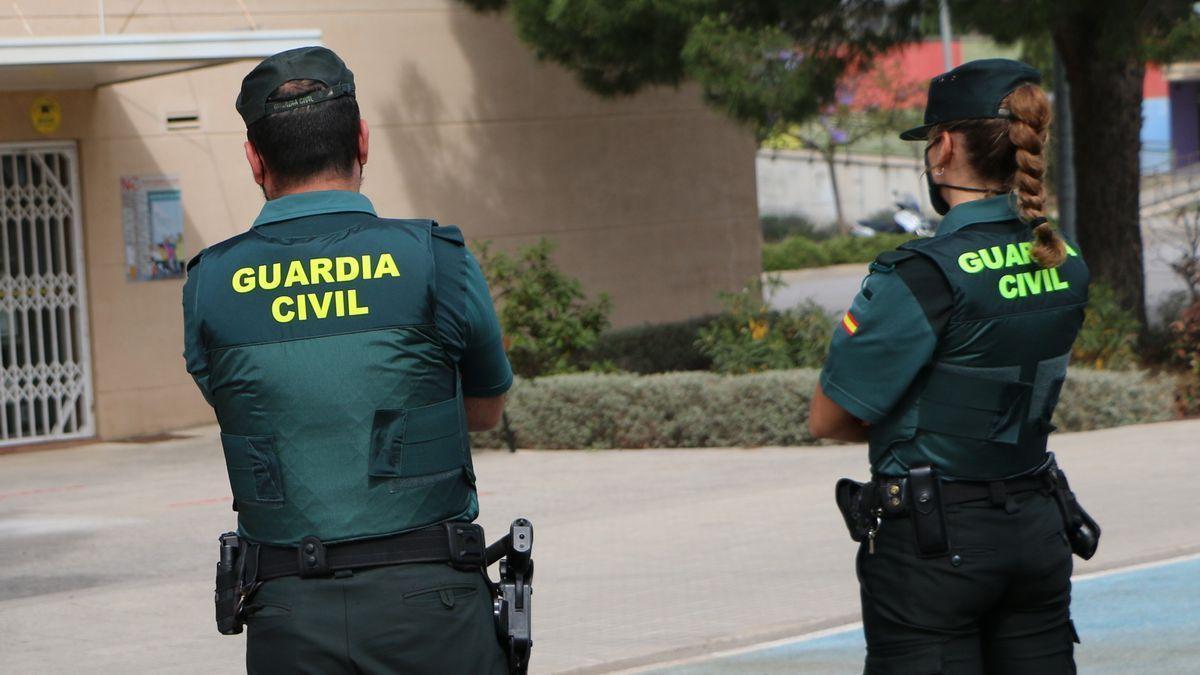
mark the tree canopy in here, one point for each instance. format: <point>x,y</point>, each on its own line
<point>773,64</point>
<point>769,64</point>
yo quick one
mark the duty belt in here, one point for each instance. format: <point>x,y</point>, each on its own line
<point>460,544</point>
<point>891,495</point>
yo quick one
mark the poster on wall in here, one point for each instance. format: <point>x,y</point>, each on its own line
<point>152,216</point>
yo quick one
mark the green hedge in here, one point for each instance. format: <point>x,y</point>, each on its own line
<point>797,252</point>
<point>653,348</point>
<point>678,410</point>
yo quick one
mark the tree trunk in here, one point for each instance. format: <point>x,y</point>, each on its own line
<point>842,225</point>
<point>1106,116</point>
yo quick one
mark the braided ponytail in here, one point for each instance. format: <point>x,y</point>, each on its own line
<point>1028,130</point>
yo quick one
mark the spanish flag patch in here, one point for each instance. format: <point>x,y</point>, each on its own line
<point>850,323</point>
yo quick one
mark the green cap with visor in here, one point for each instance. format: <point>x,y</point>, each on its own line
<point>973,90</point>
<point>304,63</point>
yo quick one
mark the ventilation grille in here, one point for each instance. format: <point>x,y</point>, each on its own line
<point>187,119</point>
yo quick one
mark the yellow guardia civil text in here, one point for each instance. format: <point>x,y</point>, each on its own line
<point>1017,284</point>
<point>303,306</point>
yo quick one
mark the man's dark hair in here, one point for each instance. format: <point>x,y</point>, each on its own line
<point>308,141</point>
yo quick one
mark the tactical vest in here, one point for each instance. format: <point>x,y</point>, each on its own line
<point>341,414</point>
<point>982,409</point>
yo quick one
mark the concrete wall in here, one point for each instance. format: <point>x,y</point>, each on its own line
<point>650,198</point>
<point>796,182</point>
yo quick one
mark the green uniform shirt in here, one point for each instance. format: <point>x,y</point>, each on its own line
<point>466,318</point>
<point>892,331</point>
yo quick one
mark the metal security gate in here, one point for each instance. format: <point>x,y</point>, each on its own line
<point>46,376</point>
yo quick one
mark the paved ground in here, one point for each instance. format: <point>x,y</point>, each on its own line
<point>107,550</point>
<point>1141,620</point>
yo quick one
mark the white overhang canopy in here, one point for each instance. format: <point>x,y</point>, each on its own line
<point>87,61</point>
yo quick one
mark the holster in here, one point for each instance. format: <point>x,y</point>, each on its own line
<point>228,593</point>
<point>1083,532</point>
<point>925,511</point>
<point>849,495</point>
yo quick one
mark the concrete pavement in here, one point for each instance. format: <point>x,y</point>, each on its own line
<point>107,550</point>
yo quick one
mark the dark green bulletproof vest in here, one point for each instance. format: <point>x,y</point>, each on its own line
<point>341,415</point>
<point>982,409</point>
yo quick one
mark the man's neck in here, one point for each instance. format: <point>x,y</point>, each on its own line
<point>318,185</point>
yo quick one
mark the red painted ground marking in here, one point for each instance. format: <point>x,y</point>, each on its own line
<point>40,491</point>
<point>202,502</point>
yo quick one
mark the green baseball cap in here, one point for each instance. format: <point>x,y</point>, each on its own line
<point>973,90</point>
<point>304,63</point>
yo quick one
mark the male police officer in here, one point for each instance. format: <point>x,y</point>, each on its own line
<point>346,356</point>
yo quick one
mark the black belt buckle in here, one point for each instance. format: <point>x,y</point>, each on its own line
<point>311,554</point>
<point>466,545</point>
<point>925,509</point>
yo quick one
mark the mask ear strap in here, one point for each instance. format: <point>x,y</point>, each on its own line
<point>965,188</point>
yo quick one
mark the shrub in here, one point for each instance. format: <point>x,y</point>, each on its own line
<point>707,410</point>
<point>1185,352</point>
<point>777,228</point>
<point>750,336</point>
<point>1098,400</point>
<point>657,348</point>
<point>548,323</point>
<point>797,252</point>
<point>1109,336</point>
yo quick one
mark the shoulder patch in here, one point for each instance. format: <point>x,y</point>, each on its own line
<point>449,233</point>
<point>887,261</point>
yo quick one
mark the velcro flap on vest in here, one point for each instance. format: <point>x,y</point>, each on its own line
<point>971,406</point>
<point>417,441</point>
<point>254,474</point>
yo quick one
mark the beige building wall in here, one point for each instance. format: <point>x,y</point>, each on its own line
<point>650,198</point>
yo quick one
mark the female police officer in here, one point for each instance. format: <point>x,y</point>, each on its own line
<point>949,364</point>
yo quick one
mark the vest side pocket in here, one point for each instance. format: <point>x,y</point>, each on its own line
<point>253,466</point>
<point>416,441</point>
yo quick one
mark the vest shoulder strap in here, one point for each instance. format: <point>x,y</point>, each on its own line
<point>924,278</point>
<point>450,233</point>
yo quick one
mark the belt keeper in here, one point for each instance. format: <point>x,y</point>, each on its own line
<point>312,558</point>
<point>466,545</point>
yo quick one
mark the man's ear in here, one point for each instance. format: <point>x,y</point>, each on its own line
<point>256,164</point>
<point>364,138</point>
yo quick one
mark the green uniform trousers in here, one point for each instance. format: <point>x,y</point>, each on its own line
<point>999,604</point>
<point>417,618</point>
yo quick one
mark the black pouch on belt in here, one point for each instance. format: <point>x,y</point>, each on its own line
<point>849,495</point>
<point>925,510</point>
<point>1082,530</point>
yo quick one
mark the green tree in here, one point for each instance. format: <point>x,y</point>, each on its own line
<point>548,322</point>
<point>1104,45</point>
<point>773,64</point>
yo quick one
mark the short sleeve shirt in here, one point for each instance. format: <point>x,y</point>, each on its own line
<point>882,343</point>
<point>466,319</point>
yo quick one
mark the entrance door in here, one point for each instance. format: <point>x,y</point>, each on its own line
<point>45,363</point>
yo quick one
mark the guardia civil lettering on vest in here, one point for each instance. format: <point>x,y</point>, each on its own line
<point>949,365</point>
<point>337,303</point>
<point>330,343</point>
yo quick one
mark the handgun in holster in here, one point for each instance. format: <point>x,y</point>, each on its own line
<point>514,593</point>
<point>1083,532</point>
<point>228,594</point>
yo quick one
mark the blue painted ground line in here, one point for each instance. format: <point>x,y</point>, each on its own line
<point>1125,627</point>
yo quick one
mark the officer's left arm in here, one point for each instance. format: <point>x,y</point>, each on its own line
<point>194,354</point>
<point>879,347</point>
<point>470,330</point>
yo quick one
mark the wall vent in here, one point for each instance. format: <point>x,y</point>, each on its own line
<point>186,119</point>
